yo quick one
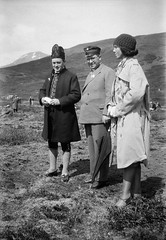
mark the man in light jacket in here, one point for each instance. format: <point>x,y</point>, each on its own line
<point>96,94</point>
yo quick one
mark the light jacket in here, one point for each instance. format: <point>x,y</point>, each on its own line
<point>96,94</point>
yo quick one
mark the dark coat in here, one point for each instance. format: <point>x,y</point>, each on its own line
<point>60,122</point>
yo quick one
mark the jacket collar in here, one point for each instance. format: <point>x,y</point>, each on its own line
<point>63,70</point>
<point>92,75</point>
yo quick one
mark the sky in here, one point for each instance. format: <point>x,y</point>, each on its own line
<point>36,25</point>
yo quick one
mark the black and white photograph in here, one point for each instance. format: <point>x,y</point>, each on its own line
<point>83,120</point>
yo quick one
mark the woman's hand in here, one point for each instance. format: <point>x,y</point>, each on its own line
<point>55,102</point>
<point>111,111</point>
<point>105,119</point>
<point>45,101</point>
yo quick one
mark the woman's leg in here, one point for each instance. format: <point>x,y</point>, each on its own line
<point>136,185</point>
<point>66,148</point>
<point>128,177</point>
<point>53,154</point>
<point>66,160</point>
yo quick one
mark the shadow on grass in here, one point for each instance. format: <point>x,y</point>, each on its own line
<point>151,186</point>
<point>115,175</point>
<point>81,167</point>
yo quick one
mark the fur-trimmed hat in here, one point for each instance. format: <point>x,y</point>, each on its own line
<point>92,50</point>
<point>58,52</point>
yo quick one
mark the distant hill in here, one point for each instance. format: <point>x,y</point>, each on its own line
<point>32,56</point>
<point>26,79</point>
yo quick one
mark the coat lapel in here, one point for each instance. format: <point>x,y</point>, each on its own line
<point>91,76</point>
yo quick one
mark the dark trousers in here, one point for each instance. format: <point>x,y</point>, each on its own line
<point>93,133</point>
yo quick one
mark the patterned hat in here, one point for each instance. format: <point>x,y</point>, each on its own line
<point>92,50</point>
<point>126,42</point>
<point>58,52</point>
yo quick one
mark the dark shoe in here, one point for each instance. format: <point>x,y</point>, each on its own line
<point>88,180</point>
<point>51,174</point>
<point>100,184</point>
<point>60,167</point>
<point>65,178</point>
<point>94,184</point>
<point>137,196</point>
<point>123,202</point>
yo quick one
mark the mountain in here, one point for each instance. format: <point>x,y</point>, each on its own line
<point>32,56</point>
<point>26,79</point>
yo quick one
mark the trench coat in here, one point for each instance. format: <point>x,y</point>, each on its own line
<point>96,94</point>
<point>60,122</point>
<point>130,105</point>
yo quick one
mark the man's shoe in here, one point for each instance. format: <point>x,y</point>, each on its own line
<point>100,184</point>
<point>88,180</point>
<point>94,184</point>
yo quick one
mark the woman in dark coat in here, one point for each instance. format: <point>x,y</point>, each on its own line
<point>58,94</point>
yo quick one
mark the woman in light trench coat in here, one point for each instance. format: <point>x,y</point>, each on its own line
<point>130,108</point>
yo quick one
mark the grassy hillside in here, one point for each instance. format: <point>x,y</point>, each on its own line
<point>26,79</point>
<point>35,207</point>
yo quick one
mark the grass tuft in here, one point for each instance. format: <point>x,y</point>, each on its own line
<point>146,218</point>
<point>58,212</point>
<point>42,193</point>
<point>12,135</point>
<point>28,231</point>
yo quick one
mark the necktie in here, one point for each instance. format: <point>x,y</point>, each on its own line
<point>53,86</point>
